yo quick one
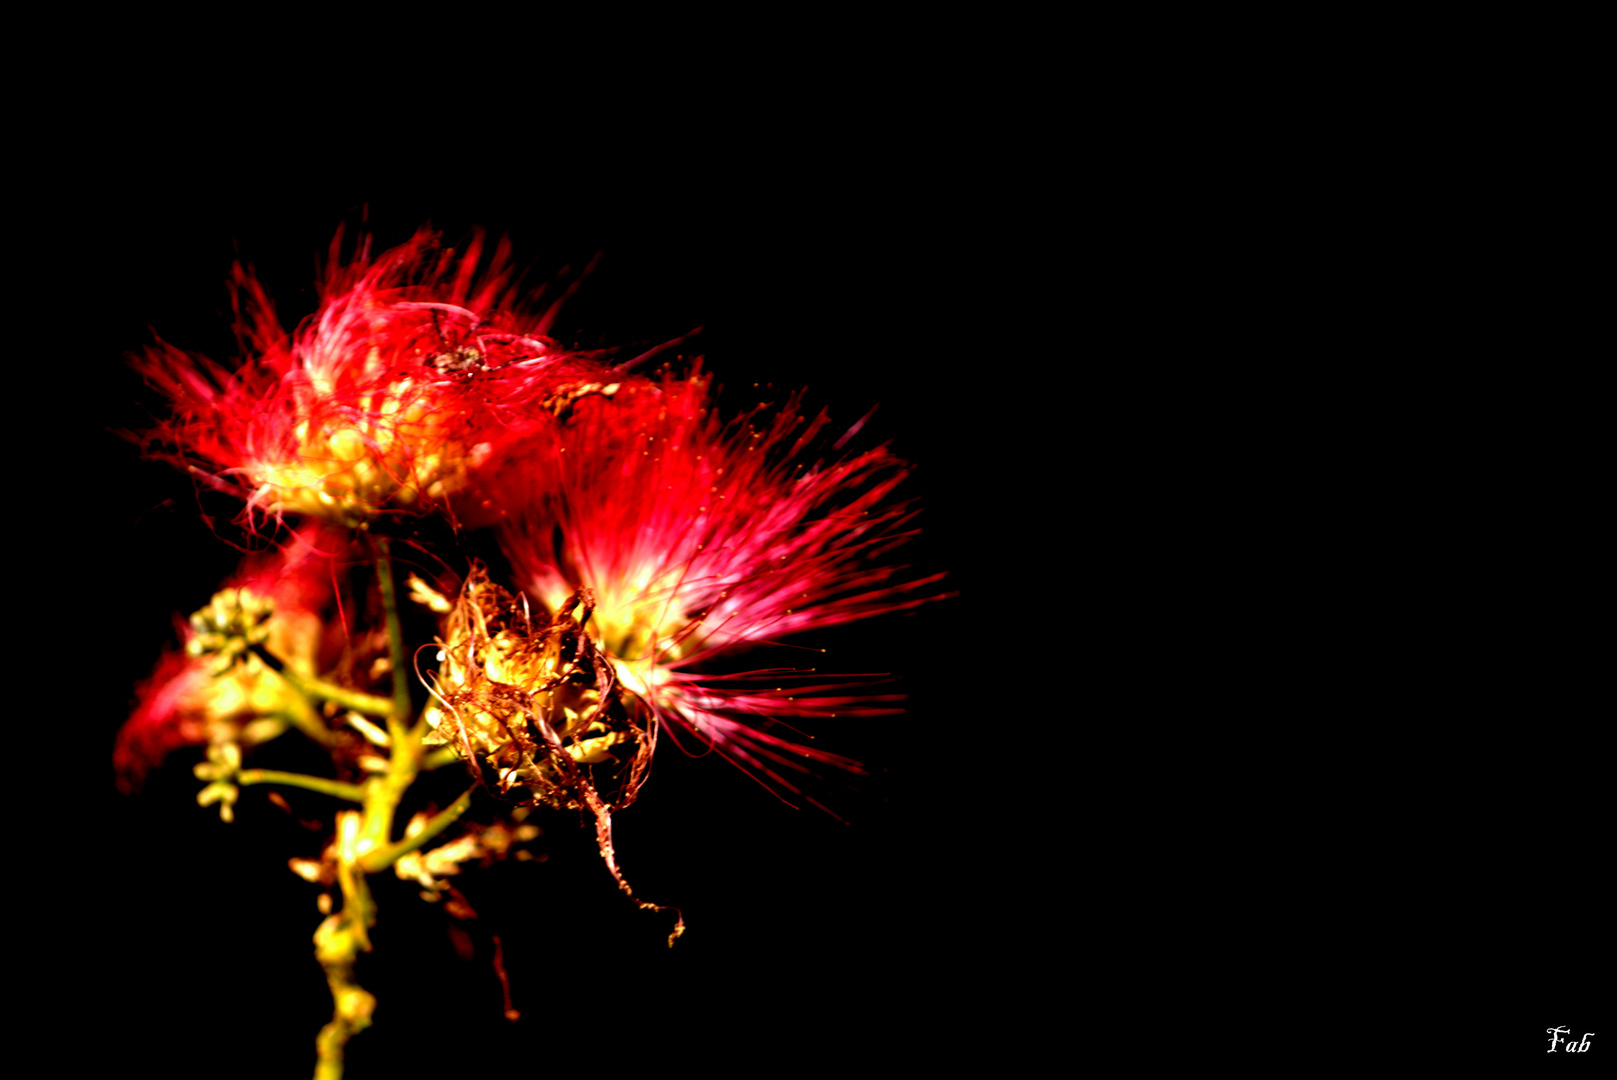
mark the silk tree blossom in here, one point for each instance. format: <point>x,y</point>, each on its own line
<point>697,539</point>
<point>411,371</point>
<point>650,543</point>
<point>208,691</point>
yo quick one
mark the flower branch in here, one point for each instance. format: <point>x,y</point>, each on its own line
<point>381,858</point>
<point>335,788</point>
<point>649,542</point>
<point>367,704</point>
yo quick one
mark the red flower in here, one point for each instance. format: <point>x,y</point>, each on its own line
<point>187,701</point>
<point>407,375</point>
<point>699,539</point>
<point>169,713</point>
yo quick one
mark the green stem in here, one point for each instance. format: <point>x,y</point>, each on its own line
<point>383,857</point>
<point>301,714</point>
<point>399,716</point>
<point>346,934</point>
<point>382,793</point>
<point>369,704</point>
<point>335,788</point>
<point>444,755</point>
<point>337,944</point>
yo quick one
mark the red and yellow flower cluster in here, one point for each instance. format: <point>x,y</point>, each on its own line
<point>671,538</point>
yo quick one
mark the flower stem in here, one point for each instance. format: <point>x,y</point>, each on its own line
<point>364,844</point>
<point>444,755</point>
<point>382,794</point>
<point>337,943</point>
<point>369,704</point>
<point>381,858</point>
<point>400,713</point>
<point>335,788</point>
<point>300,712</point>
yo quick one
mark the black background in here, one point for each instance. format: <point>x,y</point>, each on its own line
<point>807,936</point>
<point>1276,752</point>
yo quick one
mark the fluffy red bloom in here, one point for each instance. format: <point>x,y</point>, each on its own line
<point>186,701</point>
<point>168,714</point>
<point>699,538</point>
<point>408,373</point>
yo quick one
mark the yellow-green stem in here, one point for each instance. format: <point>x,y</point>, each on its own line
<point>301,714</point>
<point>335,788</point>
<point>364,840</point>
<point>382,793</point>
<point>444,755</point>
<point>337,944</point>
<point>381,858</point>
<point>369,704</point>
<point>400,713</point>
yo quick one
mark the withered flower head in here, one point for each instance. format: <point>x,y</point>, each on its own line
<point>533,702</point>
<point>534,708</point>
